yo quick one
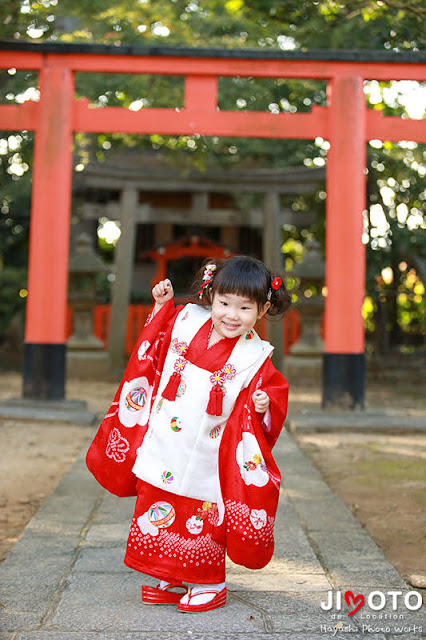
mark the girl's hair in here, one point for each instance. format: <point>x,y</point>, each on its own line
<point>244,276</point>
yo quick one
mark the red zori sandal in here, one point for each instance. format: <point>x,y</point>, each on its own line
<point>218,601</point>
<point>163,595</point>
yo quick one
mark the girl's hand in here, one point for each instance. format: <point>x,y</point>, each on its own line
<point>261,401</point>
<point>162,293</point>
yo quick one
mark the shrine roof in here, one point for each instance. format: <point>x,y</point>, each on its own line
<point>145,173</point>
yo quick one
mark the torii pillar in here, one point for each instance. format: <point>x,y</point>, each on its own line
<point>344,359</point>
<point>45,326</point>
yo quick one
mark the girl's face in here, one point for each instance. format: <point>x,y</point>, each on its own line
<point>234,315</point>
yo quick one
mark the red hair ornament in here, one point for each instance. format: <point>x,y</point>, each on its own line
<point>207,278</point>
<point>275,285</point>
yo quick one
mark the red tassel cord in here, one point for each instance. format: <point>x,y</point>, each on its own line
<point>215,406</point>
<point>175,379</point>
<point>172,386</point>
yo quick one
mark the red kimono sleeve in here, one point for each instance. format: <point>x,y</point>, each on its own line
<point>249,476</point>
<point>112,454</point>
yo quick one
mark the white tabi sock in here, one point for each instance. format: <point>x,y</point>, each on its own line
<point>199,595</point>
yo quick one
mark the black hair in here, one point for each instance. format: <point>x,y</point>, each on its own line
<point>244,276</point>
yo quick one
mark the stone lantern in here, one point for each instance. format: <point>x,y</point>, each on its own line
<point>86,357</point>
<point>304,362</point>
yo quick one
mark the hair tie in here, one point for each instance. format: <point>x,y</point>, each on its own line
<point>275,285</point>
<point>207,278</point>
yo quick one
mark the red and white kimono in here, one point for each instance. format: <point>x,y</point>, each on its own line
<point>183,435</point>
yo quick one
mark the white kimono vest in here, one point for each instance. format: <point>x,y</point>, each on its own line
<point>180,450</point>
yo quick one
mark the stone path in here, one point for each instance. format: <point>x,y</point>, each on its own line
<point>65,579</point>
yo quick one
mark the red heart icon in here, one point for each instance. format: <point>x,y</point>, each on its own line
<point>351,599</point>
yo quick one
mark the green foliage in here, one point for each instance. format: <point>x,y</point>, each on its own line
<point>15,197</point>
<point>233,23</point>
<point>12,282</point>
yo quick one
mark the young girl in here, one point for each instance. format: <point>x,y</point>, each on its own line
<point>190,432</point>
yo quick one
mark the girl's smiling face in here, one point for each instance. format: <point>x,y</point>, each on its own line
<point>233,315</point>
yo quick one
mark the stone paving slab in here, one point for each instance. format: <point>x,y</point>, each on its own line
<point>114,510</point>
<point>103,535</point>
<point>292,582</point>
<point>102,561</point>
<point>355,559</point>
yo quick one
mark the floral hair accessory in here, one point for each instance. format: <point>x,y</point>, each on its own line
<point>207,277</point>
<point>275,285</point>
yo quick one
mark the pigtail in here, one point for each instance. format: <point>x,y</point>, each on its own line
<point>278,296</point>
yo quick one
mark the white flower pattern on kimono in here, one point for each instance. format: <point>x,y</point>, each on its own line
<point>144,346</point>
<point>117,446</point>
<point>194,525</point>
<point>146,526</point>
<point>258,518</point>
<point>250,461</point>
<point>135,402</point>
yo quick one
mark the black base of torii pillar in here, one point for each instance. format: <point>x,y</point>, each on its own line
<point>343,378</point>
<point>43,396</point>
<point>44,371</point>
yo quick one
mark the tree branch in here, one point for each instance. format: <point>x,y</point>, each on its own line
<point>357,9</point>
<point>418,11</point>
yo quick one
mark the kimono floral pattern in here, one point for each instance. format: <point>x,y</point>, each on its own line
<point>117,446</point>
<point>179,347</point>
<point>180,365</point>
<point>208,511</point>
<point>252,524</point>
<point>258,518</point>
<point>144,346</point>
<point>194,525</point>
<point>250,461</point>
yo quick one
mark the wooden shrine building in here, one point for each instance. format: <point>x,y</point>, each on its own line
<point>157,205</point>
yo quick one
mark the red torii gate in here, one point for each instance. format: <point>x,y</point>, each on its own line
<point>346,123</point>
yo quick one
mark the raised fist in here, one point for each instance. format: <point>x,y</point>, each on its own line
<point>162,293</point>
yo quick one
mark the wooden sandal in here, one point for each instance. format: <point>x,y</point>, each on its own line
<point>162,595</point>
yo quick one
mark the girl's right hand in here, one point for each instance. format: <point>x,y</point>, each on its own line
<point>162,293</point>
